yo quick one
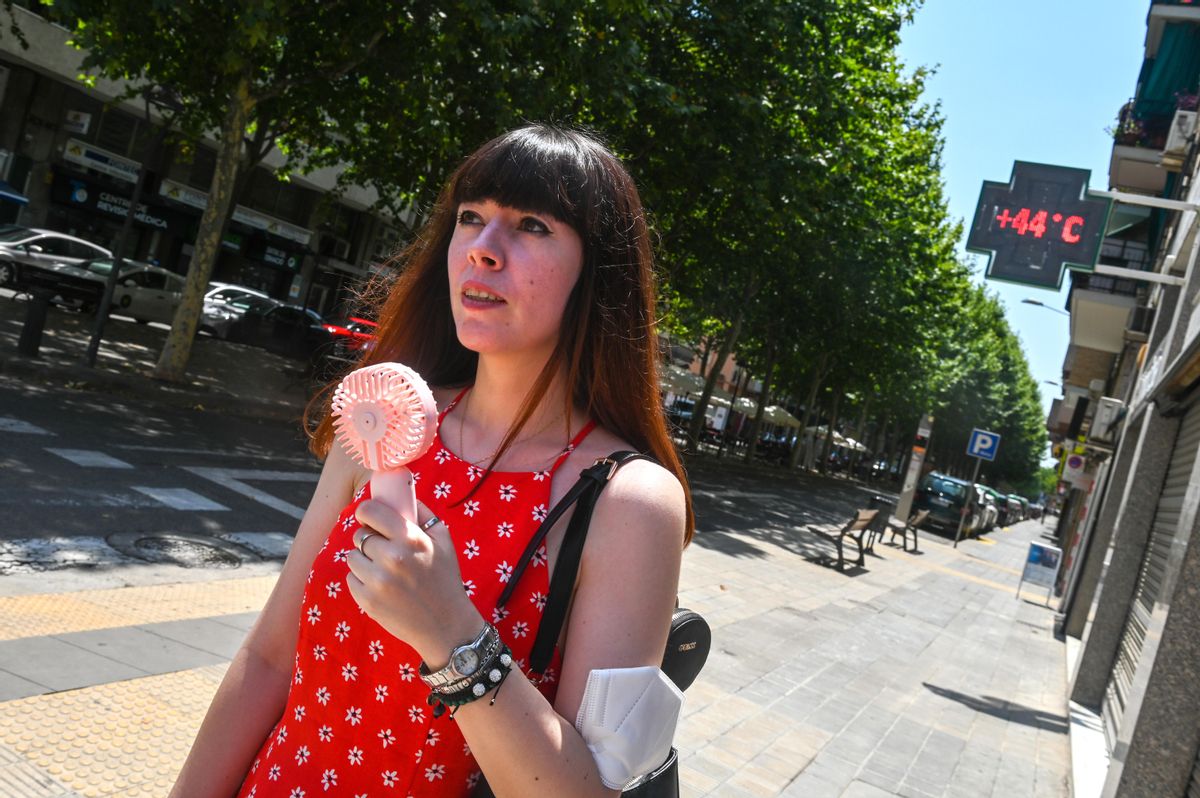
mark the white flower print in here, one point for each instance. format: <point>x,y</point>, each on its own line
<point>302,754</point>
<point>540,557</point>
<point>299,677</point>
<point>504,571</point>
<point>348,522</point>
<point>322,695</point>
<point>386,737</point>
<point>360,493</point>
<point>520,629</point>
<point>381,692</point>
<point>442,456</point>
<point>299,712</point>
<point>504,530</point>
<point>435,772</point>
<point>499,614</point>
<point>328,779</point>
<point>333,589</point>
<point>473,779</point>
<point>273,773</point>
<point>416,475</point>
<point>350,672</point>
<point>474,472</point>
<point>341,555</point>
<point>470,508</point>
<point>472,550</point>
<point>281,735</point>
<point>253,790</point>
<point>541,476</point>
<point>466,749</point>
<point>319,653</point>
<point>441,490</point>
<point>375,650</point>
<point>420,753</point>
<point>416,714</point>
<point>314,614</point>
<point>432,737</point>
<point>342,631</point>
<point>539,513</point>
<point>354,715</point>
<point>296,793</point>
<point>324,734</point>
<point>507,493</point>
<point>538,599</point>
<point>254,769</point>
<point>469,586</point>
<point>407,672</point>
<point>389,778</point>
<point>355,755</point>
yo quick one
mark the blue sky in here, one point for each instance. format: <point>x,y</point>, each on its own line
<point>1030,80</point>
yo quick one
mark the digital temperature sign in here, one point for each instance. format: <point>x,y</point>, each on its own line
<point>1038,223</point>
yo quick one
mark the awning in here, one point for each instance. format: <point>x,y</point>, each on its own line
<point>10,194</point>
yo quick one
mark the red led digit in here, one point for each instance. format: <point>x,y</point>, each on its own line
<point>1020,222</point>
<point>1068,233</point>
<point>1038,225</point>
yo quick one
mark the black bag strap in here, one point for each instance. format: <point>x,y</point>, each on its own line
<point>583,494</point>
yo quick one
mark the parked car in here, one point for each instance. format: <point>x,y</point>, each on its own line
<point>1016,508</point>
<point>990,512</point>
<point>947,499</point>
<point>224,304</point>
<point>27,255</point>
<point>143,291</point>
<point>288,330</point>
<point>351,334</point>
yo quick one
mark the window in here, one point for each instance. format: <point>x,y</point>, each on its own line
<point>51,245</point>
<point>174,284</point>
<point>145,279</point>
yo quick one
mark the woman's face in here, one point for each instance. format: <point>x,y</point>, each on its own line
<point>511,272</point>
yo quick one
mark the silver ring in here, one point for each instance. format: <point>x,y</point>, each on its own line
<point>362,541</point>
<point>431,523</point>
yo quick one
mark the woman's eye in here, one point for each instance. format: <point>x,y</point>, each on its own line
<point>533,225</point>
<point>468,217</point>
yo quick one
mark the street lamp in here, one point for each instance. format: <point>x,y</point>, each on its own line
<point>1042,304</point>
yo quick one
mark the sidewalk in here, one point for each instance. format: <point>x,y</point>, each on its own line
<point>221,376</point>
<point>922,675</point>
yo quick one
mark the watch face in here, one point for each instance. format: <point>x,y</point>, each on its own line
<point>465,661</point>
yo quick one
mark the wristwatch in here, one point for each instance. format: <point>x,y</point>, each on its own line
<point>464,661</point>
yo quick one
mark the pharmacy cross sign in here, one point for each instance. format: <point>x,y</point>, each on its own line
<point>1038,223</point>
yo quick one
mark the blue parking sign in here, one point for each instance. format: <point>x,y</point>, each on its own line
<point>983,444</point>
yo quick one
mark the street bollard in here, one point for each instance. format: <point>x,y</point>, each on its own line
<point>35,322</point>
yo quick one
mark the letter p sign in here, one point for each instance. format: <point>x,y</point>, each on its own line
<point>983,444</point>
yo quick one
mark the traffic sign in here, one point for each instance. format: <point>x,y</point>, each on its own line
<point>1039,222</point>
<point>983,444</point>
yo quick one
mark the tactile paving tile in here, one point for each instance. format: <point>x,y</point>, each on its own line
<point>59,613</point>
<point>119,740</point>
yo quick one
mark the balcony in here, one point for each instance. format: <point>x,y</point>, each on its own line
<point>1163,13</point>
<point>1100,308</point>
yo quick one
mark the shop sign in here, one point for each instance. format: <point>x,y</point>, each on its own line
<point>1038,223</point>
<point>77,122</point>
<point>98,160</point>
<point>88,196</point>
<point>253,219</point>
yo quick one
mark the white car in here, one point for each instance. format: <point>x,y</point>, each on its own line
<point>27,252</point>
<point>143,291</point>
<point>225,303</point>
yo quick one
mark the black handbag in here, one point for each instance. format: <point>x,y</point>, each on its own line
<point>688,640</point>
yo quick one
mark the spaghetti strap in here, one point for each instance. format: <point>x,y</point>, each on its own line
<point>453,402</point>
<point>578,439</point>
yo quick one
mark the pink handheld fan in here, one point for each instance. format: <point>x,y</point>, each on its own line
<point>386,417</point>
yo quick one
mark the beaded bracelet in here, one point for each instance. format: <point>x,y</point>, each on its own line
<point>491,674</point>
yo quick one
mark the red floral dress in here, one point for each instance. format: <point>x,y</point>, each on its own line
<point>356,721</point>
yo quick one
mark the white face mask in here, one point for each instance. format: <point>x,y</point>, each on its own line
<point>628,718</point>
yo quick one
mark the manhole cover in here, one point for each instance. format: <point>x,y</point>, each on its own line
<point>181,548</point>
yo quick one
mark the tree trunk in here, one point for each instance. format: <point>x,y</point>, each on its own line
<point>738,391</point>
<point>710,381</point>
<point>818,378</point>
<point>827,449</point>
<point>756,425</point>
<point>856,455</point>
<point>172,363</point>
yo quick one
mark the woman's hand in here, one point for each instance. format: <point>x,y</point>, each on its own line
<point>409,582</point>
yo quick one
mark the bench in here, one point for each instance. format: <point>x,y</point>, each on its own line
<point>914,521</point>
<point>855,529</point>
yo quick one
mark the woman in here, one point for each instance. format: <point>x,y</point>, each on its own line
<point>528,302</point>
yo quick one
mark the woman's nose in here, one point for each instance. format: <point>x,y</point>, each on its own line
<point>488,247</point>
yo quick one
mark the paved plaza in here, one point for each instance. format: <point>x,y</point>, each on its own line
<point>918,675</point>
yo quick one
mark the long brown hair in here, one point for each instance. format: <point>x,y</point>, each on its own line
<point>607,345</point>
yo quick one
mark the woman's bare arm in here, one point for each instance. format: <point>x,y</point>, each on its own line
<point>619,618</point>
<point>254,691</point>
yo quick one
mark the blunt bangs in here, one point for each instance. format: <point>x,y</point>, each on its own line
<point>539,169</point>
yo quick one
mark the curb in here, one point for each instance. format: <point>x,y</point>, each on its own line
<point>144,387</point>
